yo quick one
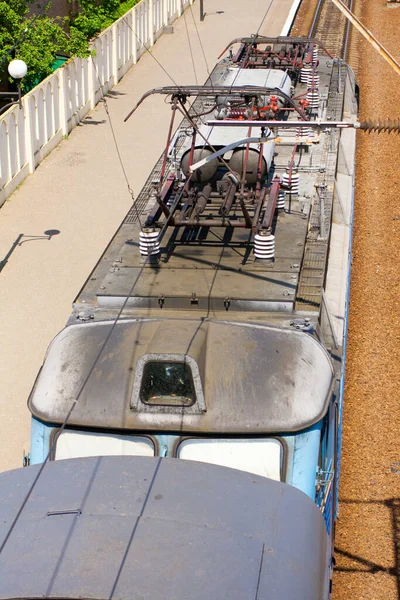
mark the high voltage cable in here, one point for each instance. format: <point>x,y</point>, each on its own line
<point>259,27</point>
<point>130,190</point>
<point>265,16</point>
<point>79,394</point>
<point>189,43</point>
<point>201,45</point>
<point>151,54</point>
<point>74,403</point>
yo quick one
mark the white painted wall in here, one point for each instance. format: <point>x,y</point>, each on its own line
<point>60,102</point>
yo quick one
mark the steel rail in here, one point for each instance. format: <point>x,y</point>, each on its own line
<point>313,27</point>
<point>347,34</point>
<point>367,35</point>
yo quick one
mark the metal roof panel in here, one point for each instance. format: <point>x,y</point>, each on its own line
<point>129,528</point>
<point>254,378</point>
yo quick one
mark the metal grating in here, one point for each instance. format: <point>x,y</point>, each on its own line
<point>312,274</point>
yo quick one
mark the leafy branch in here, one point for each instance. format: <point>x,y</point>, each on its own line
<point>44,37</point>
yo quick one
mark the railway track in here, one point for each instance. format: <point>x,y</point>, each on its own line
<point>322,20</point>
<point>368,532</point>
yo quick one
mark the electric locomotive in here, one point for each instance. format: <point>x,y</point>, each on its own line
<point>213,331</point>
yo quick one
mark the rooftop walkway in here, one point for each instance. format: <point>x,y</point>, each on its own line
<point>79,190</point>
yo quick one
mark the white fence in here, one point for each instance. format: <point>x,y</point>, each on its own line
<point>56,105</point>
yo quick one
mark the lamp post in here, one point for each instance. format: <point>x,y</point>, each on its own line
<point>201,10</point>
<point>17,69</point>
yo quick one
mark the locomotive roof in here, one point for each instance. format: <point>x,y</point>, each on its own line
<point>249,378</point>
<point>125,528</point>
<point>213,264</point>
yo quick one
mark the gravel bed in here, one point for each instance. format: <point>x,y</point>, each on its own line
<point>368,530</point>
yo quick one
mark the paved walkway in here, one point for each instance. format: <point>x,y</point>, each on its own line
<point>80,191</point>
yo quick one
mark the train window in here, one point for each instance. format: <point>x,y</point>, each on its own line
<point>261,456</point>
<point>167,383</point>
<point>78,444</point>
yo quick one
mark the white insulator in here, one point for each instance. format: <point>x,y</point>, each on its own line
<point>305,72</point>
<point>305,132</point>
<point>149,243</point>
<point>264,245</point>
<point>291,182</point>
<point>313,81</point>
<point>315,54</point>
<point>280,203</point>
<point>313,97</point>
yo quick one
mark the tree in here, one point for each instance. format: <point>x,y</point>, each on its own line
<point>37,40</point>
<point>94,16</point>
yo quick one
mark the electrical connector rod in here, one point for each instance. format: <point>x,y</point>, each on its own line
<point>371,126</point>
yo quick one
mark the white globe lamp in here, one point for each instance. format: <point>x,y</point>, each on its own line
<point>17,69</point>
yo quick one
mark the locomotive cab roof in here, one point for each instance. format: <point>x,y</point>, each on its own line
<point>229,377</point>
<point>127,527</point>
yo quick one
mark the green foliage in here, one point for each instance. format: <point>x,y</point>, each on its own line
<point>40,43</point>
<point>94,16</point>
<point>49,36</point>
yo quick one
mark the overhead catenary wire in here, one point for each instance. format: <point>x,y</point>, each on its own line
<point>264,17</point>
<point>114,324</point>
<point>148,51</point>
<point>189,43</point>
<point>72,407</point>
<point>201,44</point>
<point>257,32</point>
<point>76,399</point>
<point>100,352</point>
<point>106,108</point>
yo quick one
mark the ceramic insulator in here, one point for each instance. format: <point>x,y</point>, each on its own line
<point>291,182</point>
<point>313,98</point>
<point>264,245</point>
<point>280,204</point>
<point>148,242</point>
<point>305,132</point>
<point>313,80</point>
<point>305,73</point>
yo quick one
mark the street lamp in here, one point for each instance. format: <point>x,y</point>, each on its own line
<point>17,69</point>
